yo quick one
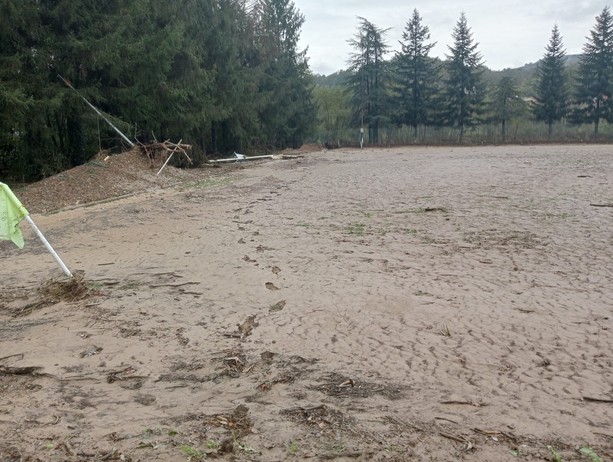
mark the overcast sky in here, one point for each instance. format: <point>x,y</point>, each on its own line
<point>510,33</point>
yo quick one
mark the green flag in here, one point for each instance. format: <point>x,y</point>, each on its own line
<point>11,213</point>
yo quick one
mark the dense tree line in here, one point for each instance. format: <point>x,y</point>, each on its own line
<point>222,75</point>
<point>414,90</point>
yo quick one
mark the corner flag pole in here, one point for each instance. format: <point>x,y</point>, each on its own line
<point>11,213</point>
<point>49,248</point>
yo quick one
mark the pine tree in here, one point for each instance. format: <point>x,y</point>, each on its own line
<point>594,91</point>
<point>506,104</point>
<point>368,76</point>
<point>552,83</point>
<point>416,74</point>
<point>464,90</point>
<point>287,112</point>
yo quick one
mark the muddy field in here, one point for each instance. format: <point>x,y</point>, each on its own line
<point>431,304</point>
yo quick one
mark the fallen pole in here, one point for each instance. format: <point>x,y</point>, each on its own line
<point>234,159</point>
<point>125,138</point>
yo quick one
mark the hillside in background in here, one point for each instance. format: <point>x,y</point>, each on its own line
<point>524,75</point>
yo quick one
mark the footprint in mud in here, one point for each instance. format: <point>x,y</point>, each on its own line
<point>275,270</point>
<point>145,400</point>
<point>271,286</point>
<point>249,259</point>
<point>277,306</point>
<point>247,327</point>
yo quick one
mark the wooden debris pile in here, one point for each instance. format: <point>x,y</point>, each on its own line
<point>160,153</point>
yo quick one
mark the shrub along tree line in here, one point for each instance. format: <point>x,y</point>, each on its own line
<point>222,75</point>
<point>413,97</point>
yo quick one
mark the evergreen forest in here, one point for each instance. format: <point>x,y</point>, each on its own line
<point>229,76</point>
<point>408,96</point>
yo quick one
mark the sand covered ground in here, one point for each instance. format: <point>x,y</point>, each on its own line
<point>398,304</point>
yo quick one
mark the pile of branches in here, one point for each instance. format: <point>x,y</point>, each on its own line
<point>160,153</point>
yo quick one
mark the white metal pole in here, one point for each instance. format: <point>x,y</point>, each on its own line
<point>49,248</point>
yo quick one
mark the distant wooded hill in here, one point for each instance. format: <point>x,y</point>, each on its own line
<point>524,76</point>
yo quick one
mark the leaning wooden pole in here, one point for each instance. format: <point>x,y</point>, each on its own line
<point>125,138</point>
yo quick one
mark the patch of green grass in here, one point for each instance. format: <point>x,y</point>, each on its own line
<point>427,239</point>
<point>243,447</point>
<point>589,452</point>
<point>130,285</point>
<point>150,432</point>
<point>192,453</point>
<point>212,444</point>
<point>555,455</point>
<point>303,224</point>
<point>561,216</point>
<point>357,229</point>
<point>293,447</point>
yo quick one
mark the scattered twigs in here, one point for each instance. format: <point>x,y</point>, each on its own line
<point>31,370</point>
<point>465,403</point>
<point>336,455</point>
<point>459,439</point>
<point>446,420</point>
<point>17,357</point>
<point>494,434</point>
<point>347,383</point>
<point>153,286</point>
<point>597,400</point>
<point>602,205</point>
<point>402,423</point>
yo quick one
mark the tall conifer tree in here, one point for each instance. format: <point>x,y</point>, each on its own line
<point>416,75</point>
<point>287,111</point>
<point>368,76</point>
<point>552,83</point>
<point>595,80</point>
<point>464,90</point>
<point>506,104</point>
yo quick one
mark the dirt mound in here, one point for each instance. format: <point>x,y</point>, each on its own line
<point>111,176</point>
<point>105,176</point>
